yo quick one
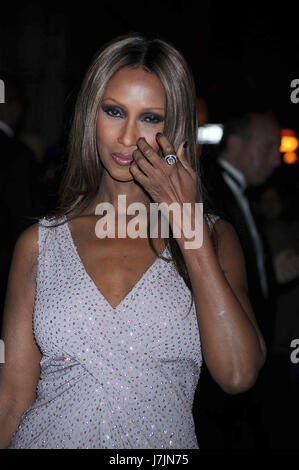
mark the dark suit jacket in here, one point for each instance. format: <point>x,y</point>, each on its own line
<point>225,200</point>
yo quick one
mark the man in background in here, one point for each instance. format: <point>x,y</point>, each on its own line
<point>247,155</point>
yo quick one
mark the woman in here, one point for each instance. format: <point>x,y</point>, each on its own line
<point>121,323</point>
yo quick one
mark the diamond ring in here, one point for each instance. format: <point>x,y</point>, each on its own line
<point>171,159</point>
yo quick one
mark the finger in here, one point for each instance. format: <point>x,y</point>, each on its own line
<point>148,152</point>
<point>137,174</point>
<point>166,146</point>
<point>181,154</point>
<point>142,162</point>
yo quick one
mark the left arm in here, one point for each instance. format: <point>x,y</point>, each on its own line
<point>232,344</point>
<point>233,347</point>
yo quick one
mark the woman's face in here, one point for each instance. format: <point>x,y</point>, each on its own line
<point>133,106</point>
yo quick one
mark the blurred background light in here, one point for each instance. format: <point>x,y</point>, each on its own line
<point>210,133</point>
<point>289,141</point>
<point>290,158</point>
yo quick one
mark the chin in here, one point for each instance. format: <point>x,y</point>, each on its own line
<point>122,176</point>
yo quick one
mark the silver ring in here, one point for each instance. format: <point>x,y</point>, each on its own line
<point>171,159</point>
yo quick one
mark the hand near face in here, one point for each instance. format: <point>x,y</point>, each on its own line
<point>165,183</point>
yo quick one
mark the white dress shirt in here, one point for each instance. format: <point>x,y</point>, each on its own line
<point>6,129</point>
<point>237,183</point>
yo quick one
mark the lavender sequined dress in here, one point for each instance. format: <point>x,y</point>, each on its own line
<point>111,378</point>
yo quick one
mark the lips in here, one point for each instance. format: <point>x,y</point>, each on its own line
<point>122,159</point>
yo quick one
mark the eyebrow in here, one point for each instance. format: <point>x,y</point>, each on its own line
<point>122,106</point>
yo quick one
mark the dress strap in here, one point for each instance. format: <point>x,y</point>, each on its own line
<point>211,219</point>
<point>45,240</point>
<point>43,223</point>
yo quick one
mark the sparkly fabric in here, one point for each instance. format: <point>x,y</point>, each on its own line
<point>121,377</point>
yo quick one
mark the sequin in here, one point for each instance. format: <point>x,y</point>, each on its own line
<point>111,378</point>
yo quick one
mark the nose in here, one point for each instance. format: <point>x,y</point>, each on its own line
<point>128,134</point>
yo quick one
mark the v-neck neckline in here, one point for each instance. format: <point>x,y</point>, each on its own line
<point>95,287</point>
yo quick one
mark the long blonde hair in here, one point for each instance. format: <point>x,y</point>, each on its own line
<point>82,177</point>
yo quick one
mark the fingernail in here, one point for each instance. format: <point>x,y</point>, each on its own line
<point>185,144</point>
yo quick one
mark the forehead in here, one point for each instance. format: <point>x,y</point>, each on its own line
<point>135,83</point>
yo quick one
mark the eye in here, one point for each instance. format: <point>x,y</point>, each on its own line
<point>113,111</point>
<point>152,118</point>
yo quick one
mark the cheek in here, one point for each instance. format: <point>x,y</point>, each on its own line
<point>257,161</point>
<point>270,160</point>
<point>264,162</point>
<point>105,133</point>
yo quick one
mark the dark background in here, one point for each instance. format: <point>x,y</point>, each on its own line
<point>243,55</point>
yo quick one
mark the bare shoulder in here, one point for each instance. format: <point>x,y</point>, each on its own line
<point>225,230</point>
<point>26,249</point>
<point>229,251</point>
<point>29,237</point>
<point>20,372</point>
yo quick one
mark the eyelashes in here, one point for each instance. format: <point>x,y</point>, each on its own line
<point>117,113</point>
<point>113,111</point>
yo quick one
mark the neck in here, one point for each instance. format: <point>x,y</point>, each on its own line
<point>110,189</point>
